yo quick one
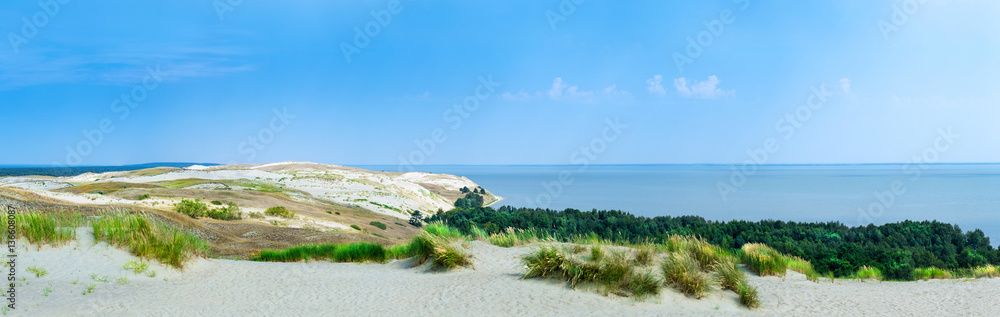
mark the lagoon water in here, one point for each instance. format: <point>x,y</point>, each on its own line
<point>963,194</point>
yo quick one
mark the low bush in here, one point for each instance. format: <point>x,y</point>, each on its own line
<point>356,227</point>
<point>230,212</point>
<point>378,225</point>
<point>192,208</point>
<point>279,211</point>
<point>217,203</point>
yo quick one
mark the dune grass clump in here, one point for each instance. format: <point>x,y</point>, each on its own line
<point>988,270</point>
<point>802,266</point>
<point>867,272</point>
<point>748,295</point>
<point>444,246</point>
<point>615,273</point>
<point>515,237</point>
<point>763,260</point>
<point>148,239</point>
<point>730,276</point>
<point>45,228</point>
<point>931,273</point>
<point>683,271</point>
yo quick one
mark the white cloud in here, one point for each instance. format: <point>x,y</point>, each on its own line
<point>560,90</point>
<point>519,96</point>
<point>707,89</point>
<point>613,91</point>
<point>845,85</point>
<point>557,88</point>
<point>655,85</point>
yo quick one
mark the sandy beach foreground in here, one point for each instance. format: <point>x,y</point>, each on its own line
<point>218,287</point>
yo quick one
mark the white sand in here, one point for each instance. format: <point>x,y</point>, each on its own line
<point>240,288</point>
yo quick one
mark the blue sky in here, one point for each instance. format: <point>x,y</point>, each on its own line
<point>270,81</point>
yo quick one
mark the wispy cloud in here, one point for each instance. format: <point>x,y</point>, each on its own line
<point>122,66</point>
<point>707,89</point>
<point>845,85</point>
<point>560,90</point>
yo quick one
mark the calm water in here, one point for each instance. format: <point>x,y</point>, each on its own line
<point>964,194</point>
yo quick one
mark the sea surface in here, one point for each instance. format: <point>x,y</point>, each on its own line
<point>963,194</point>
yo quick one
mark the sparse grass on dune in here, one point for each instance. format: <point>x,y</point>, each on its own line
<point>802,266</point>
<point>615,273</point>
<point>441,245</point>
<point>988,270</point>
<point>146,238</point>
<point>513,237</point>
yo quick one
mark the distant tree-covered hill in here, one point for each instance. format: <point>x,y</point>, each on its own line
<point>60,171</point>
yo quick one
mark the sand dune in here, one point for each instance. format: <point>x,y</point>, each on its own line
<point>227,288</point>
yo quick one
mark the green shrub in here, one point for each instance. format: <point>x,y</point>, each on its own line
<point>143,196</point>
<point>279,211</point>
<point>256,215</point>
<point>217,203</point>
<point>194,209</point>
<point>230,212</point>
<point>356,227</point>
<point>378,224</point>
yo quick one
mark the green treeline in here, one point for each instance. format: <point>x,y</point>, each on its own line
<point>896,248</point>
